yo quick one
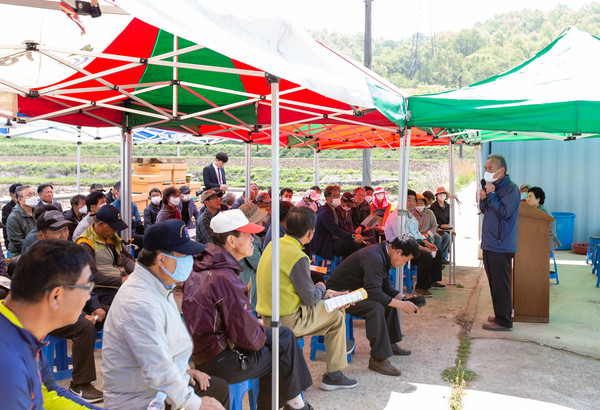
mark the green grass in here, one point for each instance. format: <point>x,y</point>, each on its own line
<point>459,375</point>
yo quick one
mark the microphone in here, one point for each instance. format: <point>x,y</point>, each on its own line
<point>483,187</point>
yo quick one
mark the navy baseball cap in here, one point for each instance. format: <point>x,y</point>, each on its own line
<point>112,216</point>
<point>171,235</point>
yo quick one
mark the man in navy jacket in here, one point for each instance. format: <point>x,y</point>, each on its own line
<point>499,202</point>
<point>214,174</point>
<point>330,237</point>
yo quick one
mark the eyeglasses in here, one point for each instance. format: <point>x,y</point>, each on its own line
<point>87,288</point>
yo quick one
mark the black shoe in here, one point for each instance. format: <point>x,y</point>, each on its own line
<point>87,392</point>
<point>437,285</point>
<point>398,351</point>
<point>330,383</point>
<point>445,262</point>
<point>384,367</point>
<point>417,300</point>
<point>350,346</point>
<point>423,292</point>
<point>307,406</point>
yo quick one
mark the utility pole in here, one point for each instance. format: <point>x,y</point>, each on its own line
<point>366,157</point>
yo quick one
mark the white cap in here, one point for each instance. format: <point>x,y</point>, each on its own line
<point>312,194</point>
<point>233,220</point>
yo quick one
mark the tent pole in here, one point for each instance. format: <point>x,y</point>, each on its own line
<point>175,79</point>
<point>248,163</point>
<point>126,158</point>
<point>79,163</point>
<point>274,83</point>
<point>178,149</point>
<point>452,265</point>
<point>401,200</point>
<point>316,166</point>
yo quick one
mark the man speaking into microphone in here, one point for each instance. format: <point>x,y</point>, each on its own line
<point>499,202</point>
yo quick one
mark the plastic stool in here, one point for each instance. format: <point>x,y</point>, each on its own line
<point>554,273</point>
<point>596,263</point>
<point>57,355</point>
<point>409,272</point>
<point>237,392</point>
<point>592,247</point>
<point>317,343</point>
<point>330,264</point>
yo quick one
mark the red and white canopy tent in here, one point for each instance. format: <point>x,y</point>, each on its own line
<point>211,69</point>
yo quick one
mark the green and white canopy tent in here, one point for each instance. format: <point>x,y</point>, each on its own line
<point>554,95</point>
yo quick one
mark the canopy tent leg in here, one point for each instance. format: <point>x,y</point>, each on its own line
<point>402,195</point>
<point>178,149</point>
<point>126,159</point>
<point>248,164</point>
<point>452,264</point>
<point>316,166</point>
<point>478,168</point>
<point>366,166</point>
<point>79,164</point>
<point>274,83</point>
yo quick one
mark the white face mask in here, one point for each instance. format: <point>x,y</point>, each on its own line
<point>420,208</point>
<point>155,200</point>
<point>346,208</point>
<point>368,198</point>
<point>32,202</point>
<point>379,197</point>
<point>489,177</point>
<point>336,202</point>
<point>187,197</point>
<point>524,195</point>
<point>442,197</point>
<point>286,199</point>
<point>175,201</point>
<point>83,210</point>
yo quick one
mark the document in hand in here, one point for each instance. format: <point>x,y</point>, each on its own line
<point>371,221</point>
<point>337,302</point>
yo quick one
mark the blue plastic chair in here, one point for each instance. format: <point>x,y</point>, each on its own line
<point>409,272</point>
<point>330,264</point>
<point>57,355</point>
<point>596,265</point>
<point>554,273</point>
<point>592,248</point>
<point>98,343</point>
<point>317,343</point>
<point>237,392</point>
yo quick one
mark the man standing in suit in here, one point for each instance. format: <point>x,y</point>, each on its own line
<point>214,174</point>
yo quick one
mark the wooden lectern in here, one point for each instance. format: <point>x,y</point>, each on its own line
<point>530,279</point>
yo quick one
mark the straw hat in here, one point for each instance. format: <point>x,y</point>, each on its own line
<point>441,190</point>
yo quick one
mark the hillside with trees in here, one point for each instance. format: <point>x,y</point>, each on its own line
<point>446,60</point>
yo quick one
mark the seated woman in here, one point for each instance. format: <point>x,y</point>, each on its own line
<point>536,197</point>
<point>382,208</point>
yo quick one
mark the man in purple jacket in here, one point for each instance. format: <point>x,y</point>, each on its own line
<point>499,202</point>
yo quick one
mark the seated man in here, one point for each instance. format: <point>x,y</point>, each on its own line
<point>153,208</point>
<point>369,268</point>
<point>32,236</point>
<point>49,288</point>
<point>76,213</point>
<point>7,209</point>
<point>136,219</point>
<point>146,348</point>
<point>212,201</point>
<point>310,200</point>
<point>228,200</point>
<point>240,200</point>
<point>286,194</point>
<point>52,224</point>
<point>429,261</point>
<point>93,202</point>
<point>330,237</point>
<point>46,195</point>
<point>111,264</point>
<point>21,221</point>
<point>229,341</point>
<point>302,308</point>
<point>250,263</point>
<point>284,208</point>
<point>188,208</point>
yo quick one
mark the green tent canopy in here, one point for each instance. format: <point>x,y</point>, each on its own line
<point>555,92</point>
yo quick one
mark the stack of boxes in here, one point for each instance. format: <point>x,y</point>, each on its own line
<point>158,173</point>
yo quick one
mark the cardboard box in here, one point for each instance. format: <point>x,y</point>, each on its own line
<point>144,183</point>
<point>141,200</point>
